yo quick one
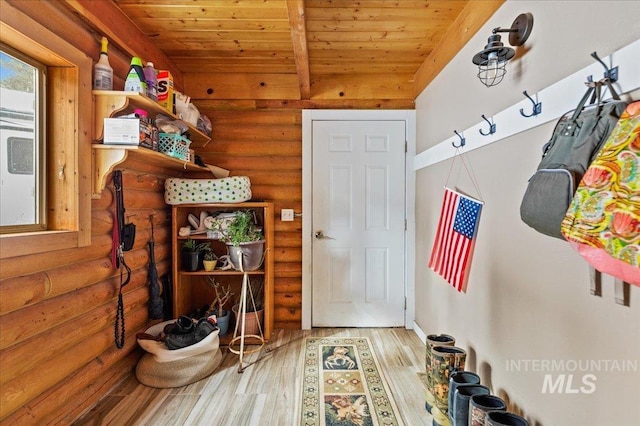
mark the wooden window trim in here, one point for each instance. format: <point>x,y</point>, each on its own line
<point>68,137</point>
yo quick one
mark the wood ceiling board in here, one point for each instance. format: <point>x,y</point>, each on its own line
<point>378,36</point>
<point>264,37</point>
<point>285,54</point>
<point>207,67</point>
<point>151,25</point>
<point>250,10</point>
<point>241,86</point>
<point>364,45</point>
<point>363,68</point>
<point>365,26</point>
<point>229,4</point>
<point>366,13</point>
<point>351,86</point>
<point>417,5</point>
<point>178,45</point>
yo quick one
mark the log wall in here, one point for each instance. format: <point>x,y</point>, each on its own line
<point>57,310</point>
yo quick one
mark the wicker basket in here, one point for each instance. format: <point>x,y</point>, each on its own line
<point>174,145</point>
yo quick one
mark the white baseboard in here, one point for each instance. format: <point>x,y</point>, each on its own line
<point>421,334</point>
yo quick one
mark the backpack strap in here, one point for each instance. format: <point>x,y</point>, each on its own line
<point>589,93</point>
<point>613,92</point>
<point>622,290</point>
<point>596,281</point>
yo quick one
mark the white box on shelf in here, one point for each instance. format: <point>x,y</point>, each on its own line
<point>121,131</point>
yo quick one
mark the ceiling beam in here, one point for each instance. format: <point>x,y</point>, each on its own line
<point>298,26</point>
<point>471,19</point>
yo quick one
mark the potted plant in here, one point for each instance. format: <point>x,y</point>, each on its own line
<point>210,259</point>
<point>243,239</point>
<point>254,302</point>
<point>217,306</point>
<point>191,254</point>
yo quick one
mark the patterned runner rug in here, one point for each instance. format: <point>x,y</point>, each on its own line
<point>342,385</point>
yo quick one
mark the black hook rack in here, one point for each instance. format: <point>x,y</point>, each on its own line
<point>610,73</point>
<point>492,127</point>
<point>463,141</point>
<point>537,106</point>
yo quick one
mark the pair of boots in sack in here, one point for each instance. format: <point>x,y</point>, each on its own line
<point>184,332</point>
<point>455,396</point>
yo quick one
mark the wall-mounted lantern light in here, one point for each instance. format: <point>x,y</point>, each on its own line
<point>492,60</point>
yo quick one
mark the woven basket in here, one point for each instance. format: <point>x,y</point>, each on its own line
<point>174,145</point>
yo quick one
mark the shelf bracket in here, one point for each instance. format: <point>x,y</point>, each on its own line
<point>104,161</point>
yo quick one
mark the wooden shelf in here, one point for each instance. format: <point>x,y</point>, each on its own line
<point>222,273</point>
<point>109,102</point>
<point>190,290</point>
<point>106,157</point>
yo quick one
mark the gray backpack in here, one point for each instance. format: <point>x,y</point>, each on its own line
<point>578,136</point>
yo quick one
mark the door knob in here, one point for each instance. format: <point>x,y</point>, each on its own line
<point>320,235</point>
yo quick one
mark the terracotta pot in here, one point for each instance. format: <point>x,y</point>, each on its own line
<point>251,320</point>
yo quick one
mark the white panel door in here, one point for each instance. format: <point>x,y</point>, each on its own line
<point>358,222</point>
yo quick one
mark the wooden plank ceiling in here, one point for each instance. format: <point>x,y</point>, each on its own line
<point>303,49</point>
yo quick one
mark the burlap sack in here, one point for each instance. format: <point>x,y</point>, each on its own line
<point>177,373</point>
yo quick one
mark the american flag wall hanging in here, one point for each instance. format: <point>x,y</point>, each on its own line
<point>455,238</point>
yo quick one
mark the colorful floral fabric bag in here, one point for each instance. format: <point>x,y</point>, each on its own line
<point>603,220</point>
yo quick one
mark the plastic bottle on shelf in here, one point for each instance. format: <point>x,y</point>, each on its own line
<point>152,81</point>
<point>135,81</point>
<point>102,71</point>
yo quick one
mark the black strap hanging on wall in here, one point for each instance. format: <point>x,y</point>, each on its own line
<point>120,241</point>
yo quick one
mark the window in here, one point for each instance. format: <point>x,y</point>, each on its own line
<point>22,90</point>
<point>52,161</point>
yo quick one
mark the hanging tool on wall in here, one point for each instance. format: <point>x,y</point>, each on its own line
<point>156,304</point>
<point>123,237</point>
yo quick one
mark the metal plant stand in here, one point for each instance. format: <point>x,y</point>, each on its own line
<point>239,339</point>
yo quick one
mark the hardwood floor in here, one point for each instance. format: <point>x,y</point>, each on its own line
<point>267,392</point>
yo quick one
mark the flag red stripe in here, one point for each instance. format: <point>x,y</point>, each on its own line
<point>462,270</point>
<point>436,244</point>
<point>448,233</point>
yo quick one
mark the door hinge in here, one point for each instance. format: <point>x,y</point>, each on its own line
<point>405,303</point>
<point>405,224</point>
<point>406,149</point>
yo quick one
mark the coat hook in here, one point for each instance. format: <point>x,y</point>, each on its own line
<point>537,106</point>
<point>463,141</point>
<point>492,127</point>
<point>611,74</point>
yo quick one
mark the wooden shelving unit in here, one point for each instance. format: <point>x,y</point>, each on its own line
<point>106,157</point>
<point>190,290</point>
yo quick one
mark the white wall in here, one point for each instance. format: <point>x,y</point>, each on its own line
<point>528,295</point>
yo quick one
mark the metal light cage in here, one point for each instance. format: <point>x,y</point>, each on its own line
<point>492,60</point>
